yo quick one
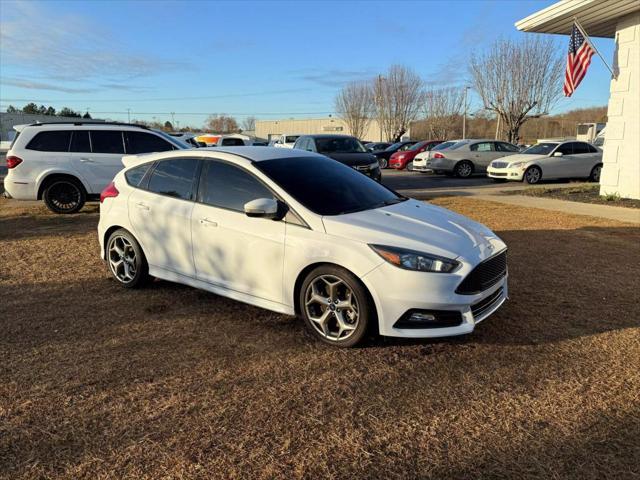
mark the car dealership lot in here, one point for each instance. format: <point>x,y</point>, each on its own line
<point>97,381</point>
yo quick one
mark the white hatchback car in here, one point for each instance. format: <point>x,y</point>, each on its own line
<point>299,233</point>
<point>550,160</point>
<point>65,164</point>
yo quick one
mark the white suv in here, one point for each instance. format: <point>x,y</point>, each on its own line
<point>65,164</point>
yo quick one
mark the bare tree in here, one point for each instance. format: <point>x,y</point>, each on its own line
<point>442,110</point>
<point>249,124</point>
<point>354,104</point>
<point>519,80</point>
<point>398,98</point>
<point>221,123</point>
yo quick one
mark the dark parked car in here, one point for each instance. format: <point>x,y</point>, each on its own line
<point>376,146</point>
<point>343,148</point>
<point>383,156</point>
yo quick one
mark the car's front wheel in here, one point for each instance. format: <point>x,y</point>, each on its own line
<point>383,162</point>
<point>533,175</point>
<point>64,195</point>
<point>335,306</point>
<point>126,260</point>
<point>410,166</point>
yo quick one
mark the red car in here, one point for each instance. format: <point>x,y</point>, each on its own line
<point>404,159</point>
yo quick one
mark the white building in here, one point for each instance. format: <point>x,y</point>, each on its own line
<point>619,20</point>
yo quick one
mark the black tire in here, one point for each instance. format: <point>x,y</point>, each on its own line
<point>141,268</point>
<point>594,176</point>
<point>463,169</point>
<point>366,315</point>
<point>384,163</point>
<point>532,175</point>
<point>410,167</point>
<point>64,195</point>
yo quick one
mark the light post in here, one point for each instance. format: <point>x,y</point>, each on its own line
<point>128,115</point>
<point>464,116</point>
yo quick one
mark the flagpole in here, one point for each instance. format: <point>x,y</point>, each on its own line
<point>592,45</point>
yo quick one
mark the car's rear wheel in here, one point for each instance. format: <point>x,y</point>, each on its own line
<point>533,175</point>
<point>64,195</point>
<point>463,169</point>
<point>594,176</point>
<point>383,162</point>
<point>126,260</point>
<point>336,306</point>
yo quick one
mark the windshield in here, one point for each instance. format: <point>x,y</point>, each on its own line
<point>339,145</point>
<point>393,147</point>
<point>327,187</point>
<point>540,149</point>
<point>443,145</point>
<point>417,146</point>
<point>175,141</point>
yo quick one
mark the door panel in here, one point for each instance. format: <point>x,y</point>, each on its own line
<point>100,164</point>
<point>238,252</point>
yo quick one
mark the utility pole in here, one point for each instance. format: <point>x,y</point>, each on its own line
<point>128,115</point>
<point>464,116</point>
<point>173,120</point>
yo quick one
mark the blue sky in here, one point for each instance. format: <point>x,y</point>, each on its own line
<point>268,59</point>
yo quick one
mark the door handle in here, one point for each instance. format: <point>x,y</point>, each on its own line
<point>208,223</point>
<point>86,160</point>
<point>142,206</point>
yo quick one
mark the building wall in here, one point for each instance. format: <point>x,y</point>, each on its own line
<point>272,128</point>
<point>621,160</point>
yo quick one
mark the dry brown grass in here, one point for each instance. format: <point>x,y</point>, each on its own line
<point>97,381</point>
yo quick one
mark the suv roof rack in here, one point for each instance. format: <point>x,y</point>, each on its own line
<point>81,122</point>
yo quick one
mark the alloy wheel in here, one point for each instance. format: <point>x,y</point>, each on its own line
<point>465,170</point>
<point>65,196</point>
<point>332,307</point>
<point>122,259</point>
<point>532,175</point>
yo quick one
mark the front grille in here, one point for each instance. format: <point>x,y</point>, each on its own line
<point>488,273</point>
<point>499,164</point>
<point>486,304</point>
<point>362,168</point>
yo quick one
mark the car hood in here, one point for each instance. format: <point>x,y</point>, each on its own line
<point>418,226</point>
<point>519,157</point>
<point>352,159</point>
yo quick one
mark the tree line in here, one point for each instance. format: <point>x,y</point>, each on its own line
<point>516,80</point>
<point>32,108</point>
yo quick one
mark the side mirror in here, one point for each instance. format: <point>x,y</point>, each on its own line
<point>557,154</point>
<point>262,208</point>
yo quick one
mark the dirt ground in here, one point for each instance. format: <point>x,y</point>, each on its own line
<point>169,382</point>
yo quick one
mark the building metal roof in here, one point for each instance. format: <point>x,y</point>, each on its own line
<point>597,17</point>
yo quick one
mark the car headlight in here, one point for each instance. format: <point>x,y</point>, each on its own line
<point>418,261</point>
<point>516,164</point>
<point>374,165</point>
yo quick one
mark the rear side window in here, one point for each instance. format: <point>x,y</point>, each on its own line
<point>579,148</point>
<point>593,149</point>
<point>53,141</point>
<point>142,142</point>
<point>566,149</point>
<point>80,141</point>
<point>481,147</point>
<point>107,141</point>
<point>135,175</point>
<point>226,186</point>
<point>174,178</point>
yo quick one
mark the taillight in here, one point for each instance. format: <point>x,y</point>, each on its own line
<point>109,192</point>
<point>438,155</point>
<point>13,162</point>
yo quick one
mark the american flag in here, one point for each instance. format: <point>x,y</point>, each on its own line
<point>578,60</point>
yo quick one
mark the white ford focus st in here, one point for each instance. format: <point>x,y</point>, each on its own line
<point>298,233</point>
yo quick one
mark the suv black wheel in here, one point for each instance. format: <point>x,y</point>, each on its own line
<point>463,169</point>
<point>127,262</point>
<point>336,306</point>
<point>64,195</point>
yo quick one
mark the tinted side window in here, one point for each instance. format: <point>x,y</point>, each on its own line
<point>174,178</point>
<point>227,186</point>
<point>142,142</point>
<point>566,149</point>
<point>230,142</point>
<point>506,147</point>
<point>481,147</point>
<point>80,142</point>
<point>579,148</point>
<point>55,141</point>
<point>106,141</point>
<point>593,149</point>
<point>135,175</point>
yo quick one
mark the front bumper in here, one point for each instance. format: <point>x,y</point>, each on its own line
<point>404,291</point>
<point>515,174</point>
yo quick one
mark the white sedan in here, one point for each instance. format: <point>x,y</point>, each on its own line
<point>549,160</point>
<point>298,233</point>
